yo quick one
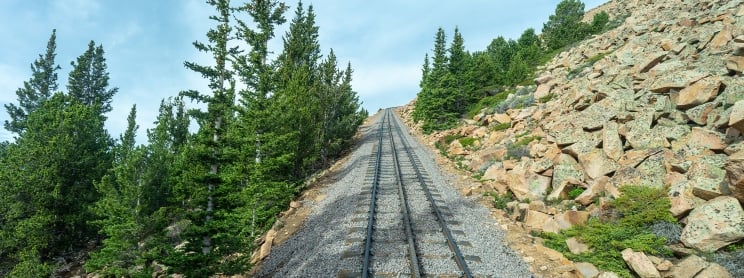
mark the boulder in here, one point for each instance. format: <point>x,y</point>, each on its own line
<point>640,264</point>
<point>700,114</point>
<point>676,80</point>
<point>735,175</point>
<point>698,93</point>
<point>648,61</point>
<point>587,270</point>
<point>735,64</point>
<point>495,171</point>
<point>570,218</point>
<point>736,118</point>
<point>540,221</point>
<point>708,139</point>
<point>566,167</point>
<point>543,90</point>
<point>688,267</point>
<point>611,143</point>
<point>714,270</point>
<point>596,164</point>
<point>575,246</point>
<point>501,118</point>
<point>707,177</point>
<point>715,224</point>
<point>595,189</point>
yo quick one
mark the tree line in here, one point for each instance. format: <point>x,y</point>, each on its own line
<point>453,79</point>
<point>194,202</point>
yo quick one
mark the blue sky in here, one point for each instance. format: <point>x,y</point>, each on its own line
<point>147,41</point>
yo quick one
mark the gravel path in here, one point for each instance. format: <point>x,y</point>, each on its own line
<point>328,242</point>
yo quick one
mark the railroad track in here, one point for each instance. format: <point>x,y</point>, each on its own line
<point>401,224</point>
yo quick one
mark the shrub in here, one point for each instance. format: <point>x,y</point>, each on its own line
<point>500,201</point>
<point>638,209</point>
<point>731,261</point>
<point>467,142</point>
<point>575,192</point>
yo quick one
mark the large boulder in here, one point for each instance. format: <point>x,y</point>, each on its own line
<point>698,93</point>
<point>566,167</point>
<point>735,174</point>
<point>596,164</point>
<point>688,267</point>
<point>715,224</point>
<point>707,177</point>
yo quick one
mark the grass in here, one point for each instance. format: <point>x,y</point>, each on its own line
<point>627,226</point>
<point>501,126</point>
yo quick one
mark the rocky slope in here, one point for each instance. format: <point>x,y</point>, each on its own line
<point>657,101</point>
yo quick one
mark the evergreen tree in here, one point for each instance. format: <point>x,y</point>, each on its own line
<point>564,26</point>
<point>121,208</point>
<point>48,180</point>
<point>35,91</point>
<point>297,102</point>
<point>89,79</point>
<point>202,186</point>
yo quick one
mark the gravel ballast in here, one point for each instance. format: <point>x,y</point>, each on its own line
<point>332,235</point>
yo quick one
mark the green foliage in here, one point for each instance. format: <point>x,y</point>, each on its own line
<point>35,91</point>
<point>500,201</point>
<point>575,192</point>
<point>564,26</point>
<point>501,126</point>
<point>486,102</point>
<point>638,208</point>
<point>467,142</point>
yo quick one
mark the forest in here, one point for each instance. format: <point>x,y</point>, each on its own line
<point>455,81</point>
<point>192,200</point>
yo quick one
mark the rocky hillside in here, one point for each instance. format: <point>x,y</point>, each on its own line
<point>656,102</point>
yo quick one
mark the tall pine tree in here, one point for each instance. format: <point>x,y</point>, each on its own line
<point>35,91</point>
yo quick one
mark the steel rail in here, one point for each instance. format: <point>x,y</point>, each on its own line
<point>458,257</point>
<point>412,257</point>
<point>373,201</point>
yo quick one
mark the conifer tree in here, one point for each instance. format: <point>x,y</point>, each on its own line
<point>35,91</point>
<point>121,208</point>
<point>203,187</point>
<point>48,178</point>
<point>89,79</point>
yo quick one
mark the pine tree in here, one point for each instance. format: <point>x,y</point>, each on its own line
<point>89,79</point>
<point>35,91</point>
<point>49,175</point>
<point>120,210</point>
<point>297,104</point>
<point>564,26</point>
<point>202,189</point>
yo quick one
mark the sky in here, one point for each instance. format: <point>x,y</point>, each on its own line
<point>147,41</point>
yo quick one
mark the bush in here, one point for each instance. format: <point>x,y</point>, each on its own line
<point>467,142</point>
<point>486,102</point>
<point>575,192</point>
<point>731,261</point>
<point>547,98</point>
<point>500,201</point>
<point>638,209</point>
